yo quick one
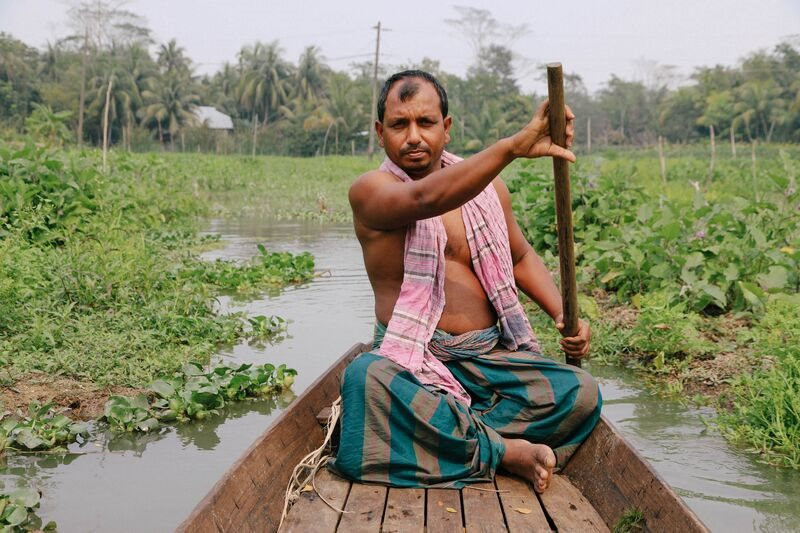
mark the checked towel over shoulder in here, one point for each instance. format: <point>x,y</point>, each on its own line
<point>421,301</point>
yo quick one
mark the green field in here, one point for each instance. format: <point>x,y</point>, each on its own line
<point>692,279</point>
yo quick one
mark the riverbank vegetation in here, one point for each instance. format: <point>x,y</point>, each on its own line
<point>100,284</point>
<point>684,273</point>
<point>689,276</point>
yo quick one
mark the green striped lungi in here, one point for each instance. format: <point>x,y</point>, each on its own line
<point>396,431</point>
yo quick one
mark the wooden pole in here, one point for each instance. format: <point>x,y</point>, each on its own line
<point>105,122</point>
<point>255,131</point>
<point>713,154</point>
<point>373,111</point>
<point>589,135</point>
<point>661,161</point>
<point>566,249</point>
<point>753,169</point>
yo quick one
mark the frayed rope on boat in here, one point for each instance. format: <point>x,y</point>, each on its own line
<point>304,474</point>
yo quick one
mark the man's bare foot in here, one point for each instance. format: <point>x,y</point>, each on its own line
<point>534,462</point>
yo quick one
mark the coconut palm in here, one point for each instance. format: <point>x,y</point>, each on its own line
<point>262,88</point>
<point>170,103</point>
<point>759,107</point>
<point>310,75</point>
<point>172,60</point>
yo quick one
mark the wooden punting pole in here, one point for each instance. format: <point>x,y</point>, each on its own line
<point>566,247</point>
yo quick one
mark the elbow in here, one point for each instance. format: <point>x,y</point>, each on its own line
<point>425,204</point>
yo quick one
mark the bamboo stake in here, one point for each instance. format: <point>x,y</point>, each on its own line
<point>566,249</point>
<point>753,168</point>
<point>589,135</point>
<point>105,123</point>
<point>661,161</point>
<point>713,154</point>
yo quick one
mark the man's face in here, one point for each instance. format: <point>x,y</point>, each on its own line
<point>414,133</point>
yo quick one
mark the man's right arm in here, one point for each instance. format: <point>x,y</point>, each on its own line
<point>380,201</point>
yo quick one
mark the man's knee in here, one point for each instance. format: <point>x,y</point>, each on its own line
<point>357,372</point>
<point>588,400</point>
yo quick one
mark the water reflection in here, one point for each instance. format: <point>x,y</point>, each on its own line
<point>202,434</point>
<point>725,486</point>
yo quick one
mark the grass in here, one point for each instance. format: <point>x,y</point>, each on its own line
<point>282,187</point>
<point>98,277</point>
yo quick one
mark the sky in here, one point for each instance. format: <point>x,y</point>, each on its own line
<point>592,38</point>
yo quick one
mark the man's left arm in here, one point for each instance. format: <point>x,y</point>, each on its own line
<point>533,278</point>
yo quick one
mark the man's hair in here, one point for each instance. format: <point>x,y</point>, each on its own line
<point>410,88</point>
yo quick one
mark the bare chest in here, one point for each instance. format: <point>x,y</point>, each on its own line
<point>457,248</point>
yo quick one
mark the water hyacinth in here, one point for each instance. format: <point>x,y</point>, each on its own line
<point>194,394</point>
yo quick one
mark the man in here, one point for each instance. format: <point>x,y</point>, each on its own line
<point>454,386</point>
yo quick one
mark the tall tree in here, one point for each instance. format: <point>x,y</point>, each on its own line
<point>263,84</point>
<point>310,75</point>
<point>98,25</point>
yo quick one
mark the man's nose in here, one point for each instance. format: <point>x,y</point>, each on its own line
<point>413,134</point>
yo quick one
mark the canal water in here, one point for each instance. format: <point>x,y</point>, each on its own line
<point>152,482</point>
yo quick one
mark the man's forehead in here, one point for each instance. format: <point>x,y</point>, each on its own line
<point>417,90</point>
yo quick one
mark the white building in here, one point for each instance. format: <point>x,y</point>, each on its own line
<point>211,118</point>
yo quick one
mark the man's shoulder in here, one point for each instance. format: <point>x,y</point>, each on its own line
<point>376,176</point>
<point>366,183</point>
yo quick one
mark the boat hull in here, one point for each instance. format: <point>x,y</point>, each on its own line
<point>612,476</point>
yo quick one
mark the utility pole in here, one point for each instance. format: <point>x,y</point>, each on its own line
<point>371,146</point>
<point>82,97</point>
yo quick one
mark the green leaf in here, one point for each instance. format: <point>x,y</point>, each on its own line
<point>693,260</point>
<point>776,278</point>
<point>644,212</point>
<point>140,401</point>
<point>671,231</point>
<point>192,369</point>
<point>24,496</point>
<point>731,272</point>
<point>28,439</point>
<point>607,245</point>
<point>758,236</point>
<point>17,516</point>
<point>609,276</point>
<point>661,270</point>
<point>637,257</point>
<point>162,388</point>
<point>148,425</point>
<point>204,398</point>
<point>752,293</point>
<point>716,294</point>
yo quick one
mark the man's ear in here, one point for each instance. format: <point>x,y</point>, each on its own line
<point>379,131</point>
<point>448,122</point>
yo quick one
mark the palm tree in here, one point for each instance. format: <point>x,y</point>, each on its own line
<point>44,124</point>
<point>170,105</point>
<point>110,70</point>
<point>172,59</point>
<point>221,89</point>
<point>310,75</point>
<point>262,88</point>
<point>759,107</point>
<point>345,108</point>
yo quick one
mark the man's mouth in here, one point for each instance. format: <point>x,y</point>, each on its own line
<point>416,153</point>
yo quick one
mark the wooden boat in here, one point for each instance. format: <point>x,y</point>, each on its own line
<point>605,479</point>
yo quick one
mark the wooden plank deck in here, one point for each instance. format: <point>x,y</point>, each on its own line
<point>507,505</point>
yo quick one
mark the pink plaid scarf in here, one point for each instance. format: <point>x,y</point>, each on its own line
<point>421,301</point>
